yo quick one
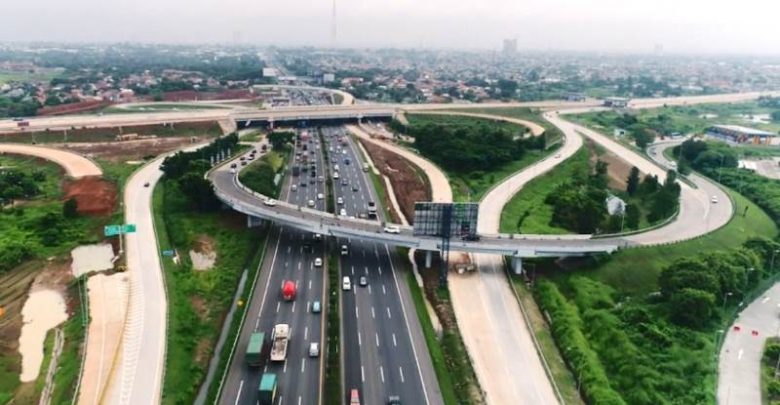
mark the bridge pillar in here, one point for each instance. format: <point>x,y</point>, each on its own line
<point>517,265</point>
<point>252,222</point>
<point>428,259</point>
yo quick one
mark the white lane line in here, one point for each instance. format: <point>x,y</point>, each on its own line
<point>278,304</point>
<point>284,368</point>
<point>394,342</point>
<point>376,335</point>
<point>238,395</point>
<point>362,374</point>
<point>289,249</point>
<point>366,267</point>
<point>739,356</point>
<point>384,291</point>
<point>388,313</point>
<point>299,400</point>
<point>303,365</point>
<point>369,289</point>
<point>360,341</point>
<point>305,332</point>
<point>401,370</point>
<point>765,300</point>
<point>280,400</point>
<point>353,269</point>
<point>299,265</point>
<point>257,324</point>
<point>356,312</point>
<point>293,306</point>
<point>373,314</point>
<point>382,374</point>
<point>379,268</point>
<point>310,284</point>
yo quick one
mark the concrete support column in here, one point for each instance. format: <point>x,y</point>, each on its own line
<point>428,259</point>
<point>517,265</point>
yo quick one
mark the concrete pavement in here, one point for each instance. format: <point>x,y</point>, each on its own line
<point>75,165</point>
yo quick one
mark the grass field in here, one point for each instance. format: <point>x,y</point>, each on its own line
<point>552,132</point>
<point>529,202</point>
<point>7,76</point>
<point>197,300</point>
<point>635,271</point>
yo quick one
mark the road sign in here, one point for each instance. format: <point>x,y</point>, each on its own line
<point>168,252</point>
<point>112,230</point>
<point>445,219</point>
<point>128,228</point>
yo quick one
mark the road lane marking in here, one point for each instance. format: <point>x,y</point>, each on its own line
<point>356,312</point>
<point>382,374</point>
<point>289,249</point>
<point>739,356</point>
<point>293,306</point>
<point>365,269</point>
<point>401,370</point>
<point>369,289</point>
<point>376,335</point>
<point>278,304</point>
<point>353,270</point>
<point>379,268</point>
<point>362,374</point>
<point>299,265</point>
<point>238,395</point>
<point>360,341</point>
<point>373,314</point>
<point>384,291</point>
<point>284,368</point>
<point>394,342</point>
<point>303,367</point>
<point>299,400</point>
<point>765,300</point>
<point>257,324</point>
<point>305,332</point>
<point>388,313</point>
<point>310,284</point>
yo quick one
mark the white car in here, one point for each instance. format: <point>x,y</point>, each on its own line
<point>714,199</point>
<point>311,203</point>
<point>294,187</point>
<point>314,349</point>
<point>270,202</point>
<point>392,229</point>
<point>346,285</point>
<point>318,262</point>
<point>320,196</point>
<point>343,212</point>
<point>340,201</point>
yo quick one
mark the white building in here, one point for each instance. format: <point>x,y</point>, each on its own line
<point>269,72</point>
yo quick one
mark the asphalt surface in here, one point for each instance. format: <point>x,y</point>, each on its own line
<point>380,357</point>
<point>299,377</point>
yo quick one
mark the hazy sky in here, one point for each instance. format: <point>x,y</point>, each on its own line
<point>743,26</point>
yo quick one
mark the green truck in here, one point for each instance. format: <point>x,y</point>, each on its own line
<point>267,390</point>
<point>255,350</point>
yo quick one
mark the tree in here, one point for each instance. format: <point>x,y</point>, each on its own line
<point>691,307</point>
<point>776,115</point>
<point>642,138</point>
<point>649,184</point>
<point>70,208</point>
<point>279,139</point>
<point>632,184</point>
<point>632,216</point>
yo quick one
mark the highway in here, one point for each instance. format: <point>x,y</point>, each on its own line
<point>380,356</point>
<point>290,256</point>
<point>75,165</point>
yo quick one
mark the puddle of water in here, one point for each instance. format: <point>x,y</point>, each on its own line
<point>89,258</point>
<point>43,310</point>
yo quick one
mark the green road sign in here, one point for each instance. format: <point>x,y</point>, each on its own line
<point>112,230</point>
<point>128,228</point>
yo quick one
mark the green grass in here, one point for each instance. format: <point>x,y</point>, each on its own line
<point>531,198</point>
<point>770,385</point>
<point>560,372</point>
<point>552,132</point>
<point>69,366</point>
<point>197,300</point>
<point>636,270</point>
<point>51,186</point>
<point>472,187</point>
<point>435,349</point>
<point>7,76</point>
<point>333,389</point>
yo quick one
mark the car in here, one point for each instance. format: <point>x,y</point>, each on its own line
<point>294,187</point>
<point>303,184</point>
<point>320,179</point>
<point>344,250</point>
<point>714,199</point>
<point>318,262</point>
<point>355,188</point>
<point>557,155</point>
<point>320,196</point>
<point>346,161</point>
<point>311,203</point>
<point>344,152</point>
<point>393,400</point>
<point>343,212</point>
<point>336,175</point>
<point>242,158</point>
<point>317,236</point>
<point>251,157</point>
<point>346,285</point>
<point>243,163</point>
<point>340,201</point>
<point>312,181</point>
<point>363,281</point>
<point>232,171</point>
<point>314,349</point>
<point>316,307</point>
<point>146,184</point>
<point>344,182</point>
<point>270,202</point>
<point>392,229</point>
<point>354,397</point>
<point>233,165</point>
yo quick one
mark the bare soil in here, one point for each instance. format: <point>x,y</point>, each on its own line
<point>618,169</point>
<point>94,196</point>
<point>130,150</point>
<point>409,184</point>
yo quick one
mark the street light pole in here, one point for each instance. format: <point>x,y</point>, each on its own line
<point>727,294</point>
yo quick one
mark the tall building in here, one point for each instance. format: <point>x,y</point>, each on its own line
<point>510,46</point>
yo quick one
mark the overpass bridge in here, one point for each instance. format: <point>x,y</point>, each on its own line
<point>231,192</point>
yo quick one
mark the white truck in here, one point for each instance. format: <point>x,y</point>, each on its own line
<point>279,339</point>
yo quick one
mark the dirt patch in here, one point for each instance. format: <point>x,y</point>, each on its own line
<point>94,196</point>
<point>618,169</point>
<point>200,307</point>
<point>409,184</point>
<point>131,150</point>
<point>203,351</point>
<point>203,254</point>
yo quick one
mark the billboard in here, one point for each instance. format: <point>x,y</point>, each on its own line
<point>457,220</point>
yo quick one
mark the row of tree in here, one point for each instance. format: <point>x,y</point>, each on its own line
<point>16,184</point>
<point>187,169</point>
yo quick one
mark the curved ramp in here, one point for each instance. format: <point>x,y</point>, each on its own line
<point>75,165</point>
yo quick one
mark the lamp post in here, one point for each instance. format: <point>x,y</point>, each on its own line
<point>726,295</point>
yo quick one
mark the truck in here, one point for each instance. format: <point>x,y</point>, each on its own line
<point>288,290</point>
<point>280,337</point>
<point>254,350</point>
<point>266,392</point>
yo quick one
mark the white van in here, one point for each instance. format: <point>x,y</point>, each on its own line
<point>344,250</point>
<point>346,285</point>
